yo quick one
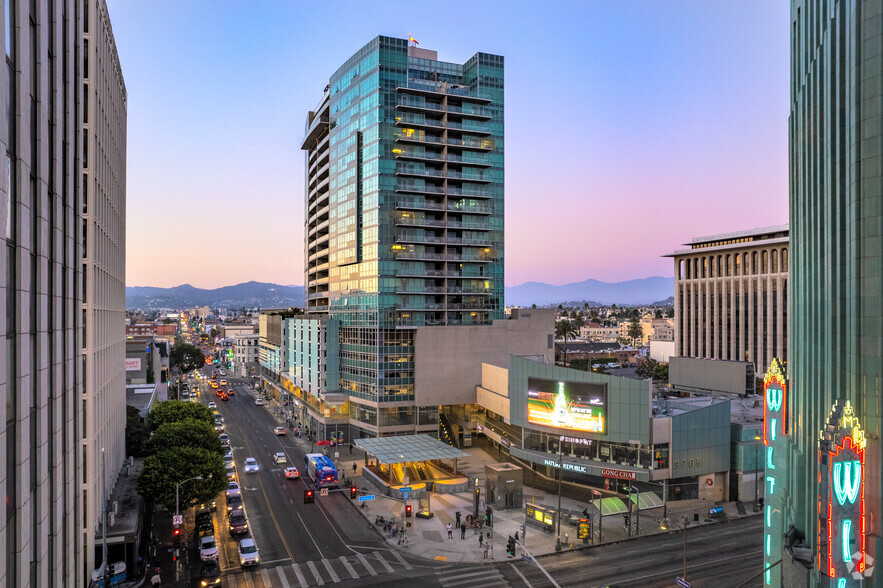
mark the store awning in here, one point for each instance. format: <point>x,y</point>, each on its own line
<point>407,448</point>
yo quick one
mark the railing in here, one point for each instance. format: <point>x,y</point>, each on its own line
<point>416,255</point>
<point>471,144</point>
<point>466,176</point>
<point>428,189</point>
<point>421,139</point>
<point>415,103</point>
<point>415,171</point>
<point>418,238</point>
<point>413,203</point>
<point>421,155</point>
<point>424,222</point>
<point>475,208</point>
<point>468,193</point>
<point>474,110</point>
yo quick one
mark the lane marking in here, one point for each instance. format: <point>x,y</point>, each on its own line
<point>365,563</point>
<point>458,575</point>
<point>316,573</point>
<point>282,577</point>
<point>265,575</point>
<point>349,567</point>
<point>248,581</point>
<point>694,566</point>
<point>310,535</point>
<point>383,561</point>
<point>401,559</point>
<point>520,575</point>
<point>331,571</point>
<point>300,576</point>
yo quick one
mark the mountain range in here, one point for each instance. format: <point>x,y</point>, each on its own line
<point>264,295</point>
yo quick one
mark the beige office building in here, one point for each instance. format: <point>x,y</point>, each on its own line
<point>104,267</point>
<point>731,297</point>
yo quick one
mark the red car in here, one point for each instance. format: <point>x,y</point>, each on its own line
<point>225,396</point>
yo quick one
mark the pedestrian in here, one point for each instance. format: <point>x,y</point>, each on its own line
<point>156,580</point>
<point>486,547</point>
<point>450,531</point>
<point>463,531</point>
<point>351,448</point>
<point>516,536</point>
<point>481,539</point>
<point>355,468</point>
<point>458,519</point>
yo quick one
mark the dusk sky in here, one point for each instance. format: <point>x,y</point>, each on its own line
<point>631,127</point>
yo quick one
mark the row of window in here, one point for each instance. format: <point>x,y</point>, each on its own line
<point>736,264</point>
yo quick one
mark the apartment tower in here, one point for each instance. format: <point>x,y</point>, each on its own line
<point>824,461</point>
<point>42,429</point>
<point>403,214</point>
<point>104,268</point>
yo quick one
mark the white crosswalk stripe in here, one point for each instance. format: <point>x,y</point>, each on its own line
<point>282,577</point>
<point>265,576</point>
<point>316,573</point>
<point>331,571</point>
<point>472,577</point>
<point>383,562</point>
<point>300,576</point>
<point>349,567</point>
<point>401,559</point>
<point>341,569</point>
<point>365,563</point>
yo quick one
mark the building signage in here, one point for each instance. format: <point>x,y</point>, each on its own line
<point>577,406</point>
<point>621,474</point>
<point>842,498</point>
<point>774,405</point>
<point>133,364</point>
<point>567,466</point>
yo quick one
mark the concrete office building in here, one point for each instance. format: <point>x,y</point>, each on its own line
<point>42,431</point>
<point>403,212</point>
<point>827,444</point>
<point>104,220</point>
<point>731,297</point>
<point>245,353</point>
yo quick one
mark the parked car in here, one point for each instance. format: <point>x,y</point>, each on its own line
<point>208,548</point>
<point>238,522</point>
<point>248,553</point>
<point>258,401</point>
<point>251,465</point>
<point>210,505</point>
<point>279,457</point>
<point>291,473</point>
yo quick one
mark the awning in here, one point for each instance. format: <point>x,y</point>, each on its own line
<point>407,448</point>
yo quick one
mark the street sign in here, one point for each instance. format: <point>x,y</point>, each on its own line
<point>177,519</point>
<point>364,498</point>
<point>323,492</point>
<point>405,489</point>
<point>683,583</point>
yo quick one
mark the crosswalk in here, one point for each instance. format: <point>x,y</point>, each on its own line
<point>485,577</point>
<point>323,572</point>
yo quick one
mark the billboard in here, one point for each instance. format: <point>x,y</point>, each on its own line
<point>577,406</point>
<point>133,364</point>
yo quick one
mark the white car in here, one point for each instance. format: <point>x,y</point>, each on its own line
<point>251,465</point>
<point>212,405</point>
<point>258,401</point>
<point>208,548</point>
<point>279,457</point>
<point>248,553</point>
<point>232,488</point>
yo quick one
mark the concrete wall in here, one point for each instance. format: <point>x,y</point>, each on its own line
<point>661,351</point>
<point>701,441</point>
<point>709,374</point>
<point>448,360</point>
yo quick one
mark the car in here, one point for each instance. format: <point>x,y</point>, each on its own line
<point>212,404</point>
<point>219,426</point>
<point>251,465</point>
<point>248,553</point>
<point>258,401</point>
<point>208,548</point>
<point>214,384</point>
<point>231,471</point>
<point>234,502</point>
<point>291,473</point>
<point>204,522</point>
<point>238,522</point>
<point>209,505</point>
<point>222,372</point>
<point>225,440</point>
<point>232,488</point>
<point>225,396</point>
<point>223,382</point>
<point>280,457</point>
<point>228,458</point>
<point>279,431</point>
<point>231,392</point>
<point>210,575</point>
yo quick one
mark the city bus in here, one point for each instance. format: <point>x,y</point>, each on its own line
<point>321,470</point>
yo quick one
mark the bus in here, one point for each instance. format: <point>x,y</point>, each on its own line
<point>321,470</point>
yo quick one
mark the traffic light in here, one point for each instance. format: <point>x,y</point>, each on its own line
<point>309,497</point>
<point>407,510</point>
<point>487,516</point>
<point>176,538</point>
<point>353,492</point>
<point>625,517</point>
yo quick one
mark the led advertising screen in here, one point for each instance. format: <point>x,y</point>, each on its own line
<point>567,405</point>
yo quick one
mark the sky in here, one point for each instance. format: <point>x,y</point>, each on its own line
<point>631,127</point>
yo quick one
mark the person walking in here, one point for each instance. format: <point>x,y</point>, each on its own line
<point>481,539</point>
<point>354,468</point>
<point>516,536</point>
<point>351,448</point>
<point>487,546</point>
<point>463,531</point>
<point>458,519</point>
<point>156,580</point>
<point>450,531</point>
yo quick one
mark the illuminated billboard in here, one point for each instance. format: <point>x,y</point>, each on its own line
<point>567,405</point>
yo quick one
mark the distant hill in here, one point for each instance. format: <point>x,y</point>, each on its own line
<point>248,294</point>
<point>640,291</point>
<point>670,301</point>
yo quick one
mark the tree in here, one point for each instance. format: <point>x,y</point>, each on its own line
<point>646,369</point>
<point>186,358</point>
<point>163,470</point>
<point>173,411</point>
<point>658,314</point>
<point>661,372</point>
<point>593,314</point>
<point>136,433</point>
<point>187,433</point>
<point>565,330</point>
<point>670,312</point>
<point>579,322</point>
<point>635,330</point>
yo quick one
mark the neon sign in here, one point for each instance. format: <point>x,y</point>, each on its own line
<point>774,426</point>
<point>842,498</point>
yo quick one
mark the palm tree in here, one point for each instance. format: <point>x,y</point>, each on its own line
<point>635,330</point>
<point>565,330</point>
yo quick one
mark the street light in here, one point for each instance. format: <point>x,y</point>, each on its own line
<point>637,510</point>
<point>756,478</point>
<point>685,522</point>
<point>560,476</point>
<point>177,505</point>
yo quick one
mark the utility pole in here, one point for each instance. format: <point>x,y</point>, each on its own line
<point>756,472</point>
<point>685,549</point>
<point>560,476</point>
<point>104,523</point>
<point>637,510</point>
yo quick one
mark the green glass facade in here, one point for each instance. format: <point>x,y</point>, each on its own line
<point>404,209</point>
<point>836,277</point>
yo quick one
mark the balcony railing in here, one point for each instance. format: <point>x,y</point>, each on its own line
<point>420,222</point>
<point>418,203</point>
<point>417,103</point>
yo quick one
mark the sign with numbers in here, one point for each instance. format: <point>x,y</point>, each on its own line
<point>178,519</point>
<point>323,492</point>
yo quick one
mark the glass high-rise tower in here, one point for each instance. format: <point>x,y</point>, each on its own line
<point>823,497</point>
<point>403,212</point>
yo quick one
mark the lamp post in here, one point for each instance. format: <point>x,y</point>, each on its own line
<point>637,510</point>
<point>756,470</point>
<point>685,521</point>
<point>177,504</point>
<point>560,476</point>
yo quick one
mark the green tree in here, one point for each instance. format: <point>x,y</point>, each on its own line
<point>136,433</point>
<point>187,433</point>
<point>593,314</point>
<point>670,312</point>
<point>661,372</point>
<point>579,322</point>
<point>186,357</point>
<point>163,470</point>
<point>175,411</point>
<point>635,330</point>
<point>565,330</point>
<point>658,314</point>
<point>647,369</point>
